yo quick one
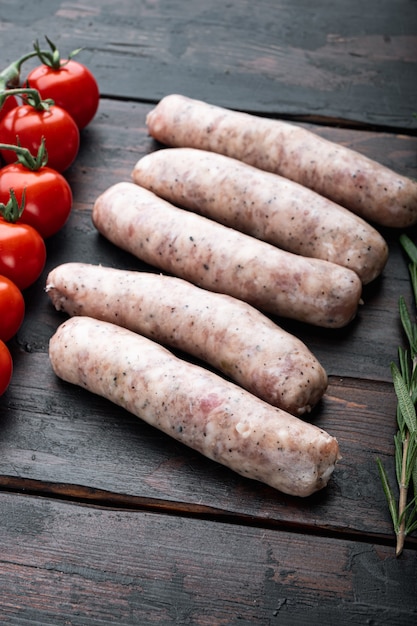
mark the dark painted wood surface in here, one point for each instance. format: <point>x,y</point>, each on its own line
<point>134,567</point>
<point>341,59</point>
<point>103,519</point>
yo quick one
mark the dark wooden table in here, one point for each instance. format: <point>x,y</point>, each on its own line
<point>103,519</point>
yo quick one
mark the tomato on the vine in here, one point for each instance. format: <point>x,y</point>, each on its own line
<point>10,83</point>
<point>10,103</point>
<point>47,196</point>
<point>22,253</point>
<point>26,125</point>
<point>71,86</point>
<point>12,308</point>
<point>6,367</point>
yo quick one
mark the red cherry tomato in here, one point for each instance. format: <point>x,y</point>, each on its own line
<point>9,104</point>
<point>6,367</point>
<point>12,308</point>
<point>22,253</point>
<point>27,126</point>
<point>48,196</point>
<point>71,86</point>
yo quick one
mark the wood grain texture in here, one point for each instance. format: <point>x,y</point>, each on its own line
<point>340,60</point>
<point>62,563</point>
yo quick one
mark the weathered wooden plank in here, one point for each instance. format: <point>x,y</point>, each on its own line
<point>339,60</point>
<point>62,563</point>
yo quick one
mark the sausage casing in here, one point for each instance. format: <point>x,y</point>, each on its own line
<point>224,260</point>
<point>347,177</point>
<point>227,333</point>
<point>264,205</point>
<point>195,406</point>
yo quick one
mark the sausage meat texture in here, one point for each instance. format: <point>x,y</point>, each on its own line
<point>264,205</point>
<point>195,406</point>
<point>224,260</point>
<point>373,191</point>
<point>226,333</point>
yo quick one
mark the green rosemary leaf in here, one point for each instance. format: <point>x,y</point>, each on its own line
<point>409,514</point>
<point>398,442</point>
<point>406,323</point>
<point>407,408</point>
<point>411,528</point>
<point>402,427</point>
<point>388,494</point>
<point>413,395</point>
<point>412,268</point>
<point>414,478</point>
<point>413,392</point>
<point>413,385</point>
<point>404,365</point>
<point>409,247</point>
<point>411,250</point>
<point>411,457</point>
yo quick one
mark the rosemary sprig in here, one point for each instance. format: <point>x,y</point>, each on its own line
<point>403,509</point>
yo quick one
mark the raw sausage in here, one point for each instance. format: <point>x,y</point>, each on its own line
<point>195,406</point>
<point>350,179</point>
<point>225,332</point>
<point>224,260</point>
<point>264,205</point>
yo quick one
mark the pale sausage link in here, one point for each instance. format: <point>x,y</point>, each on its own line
<point>264,205</point>
<point>221,259</point>
<point>195,406</point>
<point>225,332</point>
<point>347,177</point>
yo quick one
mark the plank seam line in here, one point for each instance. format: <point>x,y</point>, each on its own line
<point>315,120</point>
<point>101,499</point>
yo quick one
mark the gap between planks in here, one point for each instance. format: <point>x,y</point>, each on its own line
<point>102,499</point>
<point>296,118</point>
